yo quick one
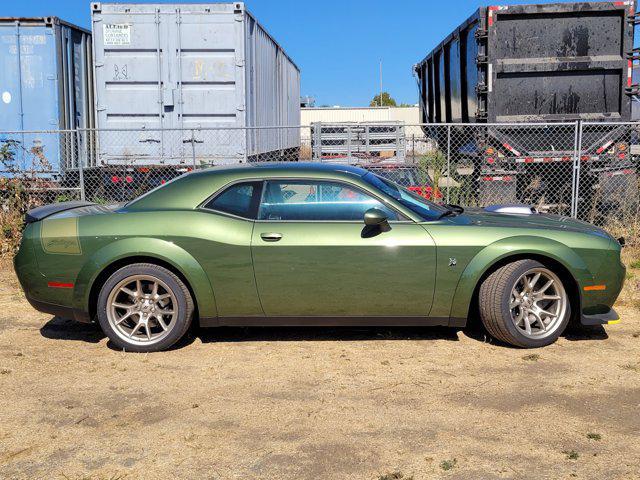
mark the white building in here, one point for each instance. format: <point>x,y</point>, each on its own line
<point>408,115</point>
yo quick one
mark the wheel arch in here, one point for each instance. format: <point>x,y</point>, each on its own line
<point>124,252</point>
<point>555,255</point>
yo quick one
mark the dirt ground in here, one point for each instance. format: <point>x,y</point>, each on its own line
<point>316,403</point>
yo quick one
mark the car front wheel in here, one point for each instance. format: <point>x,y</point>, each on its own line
<point>144,308</point>
<point>525,304</point>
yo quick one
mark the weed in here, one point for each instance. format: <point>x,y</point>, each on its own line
<point>532,357</point>
<point>5,371</point>
<point>394,476</point>
<point>594,436</point>
<point>448,464</point>
<point>630,367</point>
<point>571,454</point>
<point>635,264</point>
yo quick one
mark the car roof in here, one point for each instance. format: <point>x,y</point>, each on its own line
<point>288,166</point>
<point>193,188</point>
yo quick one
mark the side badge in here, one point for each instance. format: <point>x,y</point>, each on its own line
<point>452,262</point>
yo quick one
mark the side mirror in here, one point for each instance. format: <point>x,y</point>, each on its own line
<point>374,217</point>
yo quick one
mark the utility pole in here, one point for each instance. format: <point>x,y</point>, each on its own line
<point>380,99</point>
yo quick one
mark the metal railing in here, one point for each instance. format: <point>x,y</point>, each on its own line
<point>586,170</point>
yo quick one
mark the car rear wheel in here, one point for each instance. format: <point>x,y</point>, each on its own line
<point>144,308</point>
<point>525,304</point>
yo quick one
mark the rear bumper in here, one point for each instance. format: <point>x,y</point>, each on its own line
<point>59,310</point>
<point>600,319</point>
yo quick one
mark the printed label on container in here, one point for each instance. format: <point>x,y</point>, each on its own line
<point>116,34</point>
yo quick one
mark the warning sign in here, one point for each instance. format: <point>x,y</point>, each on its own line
<point>116,34</point>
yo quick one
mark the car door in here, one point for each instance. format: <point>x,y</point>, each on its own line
<point>312,254</point>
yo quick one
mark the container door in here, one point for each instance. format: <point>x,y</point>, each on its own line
<point>130,72</point>
<point>560,62</point>
<point>207,89</point>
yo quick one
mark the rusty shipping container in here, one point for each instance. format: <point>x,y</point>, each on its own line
<point>522,63</point>
<point>516,66</point>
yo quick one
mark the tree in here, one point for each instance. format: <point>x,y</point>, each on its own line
<point>387,101</point>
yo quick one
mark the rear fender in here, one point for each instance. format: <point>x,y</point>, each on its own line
<point>512,247</point>
<point>146,247</point>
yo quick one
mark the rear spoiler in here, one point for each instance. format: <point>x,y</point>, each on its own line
<point>40,213</point>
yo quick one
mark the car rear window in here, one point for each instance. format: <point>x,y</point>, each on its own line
<point>240,199</point>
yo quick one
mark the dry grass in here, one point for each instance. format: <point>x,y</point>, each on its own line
<point>630,294</point>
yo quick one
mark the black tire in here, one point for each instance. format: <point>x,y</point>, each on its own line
<point>182,317</point>
<point>494,298</point>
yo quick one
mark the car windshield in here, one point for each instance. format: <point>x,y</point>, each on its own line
<point>417,204</point>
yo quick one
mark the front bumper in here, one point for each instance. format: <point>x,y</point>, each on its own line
<point>606,318</point>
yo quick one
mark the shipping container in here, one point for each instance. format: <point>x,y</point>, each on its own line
<point>527,63</point>
<point>45,84</point>
<point>514,66</point>
<point>191,66</point>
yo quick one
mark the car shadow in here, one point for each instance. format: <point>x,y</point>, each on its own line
<point>585,332</point>
<point>64,329</point>
<point>328,334</point>
<point>574,332</point>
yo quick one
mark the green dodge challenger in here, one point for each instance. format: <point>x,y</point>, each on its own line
<point>312,244</point>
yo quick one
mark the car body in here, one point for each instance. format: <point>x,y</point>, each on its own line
<point>307,244</point>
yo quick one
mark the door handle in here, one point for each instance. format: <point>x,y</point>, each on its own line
<point>271,237</point>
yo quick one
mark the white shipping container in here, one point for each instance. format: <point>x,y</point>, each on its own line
<point>190,66</point>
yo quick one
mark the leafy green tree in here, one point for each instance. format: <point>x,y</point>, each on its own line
<point>387,101</point>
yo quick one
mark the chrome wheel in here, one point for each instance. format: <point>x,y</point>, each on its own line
<point>538,303</point>
<point>142,309</point>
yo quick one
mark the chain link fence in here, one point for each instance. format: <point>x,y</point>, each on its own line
<point>578,169</point>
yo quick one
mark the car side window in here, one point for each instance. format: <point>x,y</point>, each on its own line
<point>240,199</point>
<point>316,200</point>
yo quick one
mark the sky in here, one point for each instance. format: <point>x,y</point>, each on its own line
<point>337,44</point>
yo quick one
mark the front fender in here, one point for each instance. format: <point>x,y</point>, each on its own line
<point>146,247</point>
<point>513,246</point>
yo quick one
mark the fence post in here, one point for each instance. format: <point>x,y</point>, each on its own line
<point>315,134</point>
<point>349,144</point>
<point>193,148</point>
<point>575,181</point>
<point>448,163</point>
<point>80,164</point>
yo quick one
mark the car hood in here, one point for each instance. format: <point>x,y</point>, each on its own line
<point>479,217</point>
